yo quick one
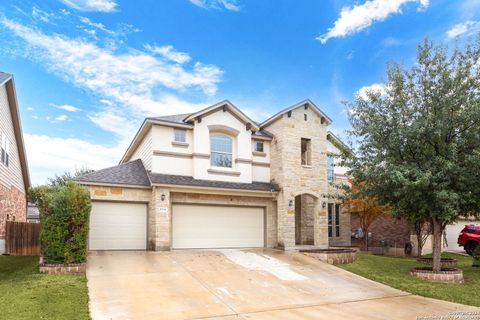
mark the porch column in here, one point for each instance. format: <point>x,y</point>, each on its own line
<point>286,219</point>
<point>159,220</point>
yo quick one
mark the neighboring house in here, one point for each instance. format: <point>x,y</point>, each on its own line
<point>217,179</point>
<point>33,214</point>
<point>387,235</point>
<point>14,178</point>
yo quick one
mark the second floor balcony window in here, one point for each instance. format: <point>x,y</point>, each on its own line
<point>221,150</point>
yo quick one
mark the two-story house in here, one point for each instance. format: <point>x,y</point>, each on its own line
<point>14,177</point>
<point>217,179</point>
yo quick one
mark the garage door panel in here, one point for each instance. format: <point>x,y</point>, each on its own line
<point>199,226</point>
<point>118,226</point>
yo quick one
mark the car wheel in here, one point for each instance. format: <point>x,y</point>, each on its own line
<point>470,247</point>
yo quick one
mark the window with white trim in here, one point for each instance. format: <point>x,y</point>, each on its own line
<point>259,146</point>
<point>180,135</point>
<point>220,150</point>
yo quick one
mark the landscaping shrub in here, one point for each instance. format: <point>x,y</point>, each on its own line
<point>64,213</point>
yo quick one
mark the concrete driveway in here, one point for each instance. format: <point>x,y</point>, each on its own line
<point>241,284</point>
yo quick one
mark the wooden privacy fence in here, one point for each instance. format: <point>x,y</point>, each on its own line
<point>22,238</point>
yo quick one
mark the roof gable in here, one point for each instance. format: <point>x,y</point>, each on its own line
<point>226,106</point>
<point>7,80</point>
<point>306,102</point>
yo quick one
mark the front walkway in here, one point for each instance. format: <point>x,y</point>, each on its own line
<point>241,284</point>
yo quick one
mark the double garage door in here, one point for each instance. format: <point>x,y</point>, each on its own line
<point>123,226</point>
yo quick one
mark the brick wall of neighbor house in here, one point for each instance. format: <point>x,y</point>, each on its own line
<point>295,179</point>
<point>13,205</point>
<point>396,232</point>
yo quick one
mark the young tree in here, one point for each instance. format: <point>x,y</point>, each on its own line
<point>61,180</point>
<point>418,146</point>
<point>365,207</point>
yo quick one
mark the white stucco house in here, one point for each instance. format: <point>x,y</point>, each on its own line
<point>218,179</point>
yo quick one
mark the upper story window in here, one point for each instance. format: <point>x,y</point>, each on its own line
<point>306,148</point>
<point>5,150</point>
<point>180,135</point>
<point>330,169</point>
<point>221,150</point>
<point>259,146</point>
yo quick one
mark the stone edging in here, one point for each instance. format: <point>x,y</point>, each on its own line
<point>445,262</point>
<point>73,268</point>
<point>332,256</point>
<point>449,275</point>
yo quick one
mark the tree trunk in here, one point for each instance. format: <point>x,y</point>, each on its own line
<point>437,244</point>
<point>419,245</point>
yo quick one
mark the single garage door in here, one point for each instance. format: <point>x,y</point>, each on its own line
<point>118,226</point>
<point>201,226</point>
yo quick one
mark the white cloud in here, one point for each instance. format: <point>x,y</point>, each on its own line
<point>466,28</point>
<point>376,88</point>
<point>61,117</point>
<point>231,5</point>
<point>30,109</point>
<point>132,79</point>
<point>92,5</point>
<point>129,84</point>
<point>169,53</point>
<point>48,155</point>
<point>41,15</point>
<point>356,18</point>
<point>66,107</point>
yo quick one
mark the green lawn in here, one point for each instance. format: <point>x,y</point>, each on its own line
<point>27,294</point>
<point>394,271</point>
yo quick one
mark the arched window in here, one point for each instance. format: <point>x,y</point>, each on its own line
<point>220,150</point>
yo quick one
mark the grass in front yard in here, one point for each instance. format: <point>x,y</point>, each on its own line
<point>27,294</point>
<point>394,272</point>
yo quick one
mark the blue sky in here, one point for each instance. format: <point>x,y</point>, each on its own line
<point>88,71</point>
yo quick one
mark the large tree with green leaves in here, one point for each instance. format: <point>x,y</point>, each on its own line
<point>418,141</point>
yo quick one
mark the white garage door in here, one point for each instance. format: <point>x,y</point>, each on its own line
<point>198,226</point>
<point>118,226</point>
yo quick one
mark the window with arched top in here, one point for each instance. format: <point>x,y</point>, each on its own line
<point>221,150</point>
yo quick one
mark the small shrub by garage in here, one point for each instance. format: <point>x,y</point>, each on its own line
<point>64,212</point>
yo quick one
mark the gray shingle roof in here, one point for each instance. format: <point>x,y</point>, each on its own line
<point>157,178</point>
<point>129,173</point>
<point>134,173</point>
<point>176,118</point>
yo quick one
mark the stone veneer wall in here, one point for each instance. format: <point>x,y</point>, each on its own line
<point>294,179</point>
<point>13,206</point>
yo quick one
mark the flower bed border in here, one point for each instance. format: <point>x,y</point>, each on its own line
<point>332,256</point>
<point>445,262</point>
<point>72,268</point>
<point>448,275</point>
